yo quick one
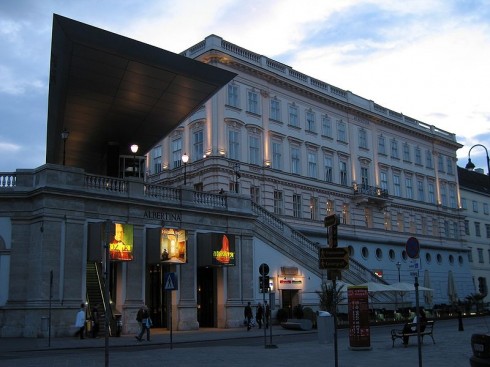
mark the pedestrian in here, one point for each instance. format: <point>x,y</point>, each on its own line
<point>259,315</point>
<point>248,315</point>
<point>95,322</point>
<point>80,322</point>
<point>267,314</point>
<point>408,329</point>
<point>143,317</point>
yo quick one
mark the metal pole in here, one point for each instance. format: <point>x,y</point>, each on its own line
<point>336,349</point>
<point>50,297</point>
<point>169,306</point>
<point>418,318</point>
<point>106,290</point>
<point>263,309</point>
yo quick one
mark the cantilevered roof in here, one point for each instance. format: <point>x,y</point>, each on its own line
<point>110,90</point>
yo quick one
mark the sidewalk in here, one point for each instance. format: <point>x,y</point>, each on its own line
<point>452,349</point>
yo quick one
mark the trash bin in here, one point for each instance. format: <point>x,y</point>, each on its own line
<point>118,318</point>
<point>325,326</point>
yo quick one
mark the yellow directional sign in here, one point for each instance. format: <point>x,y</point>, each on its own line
<point>334,258</point>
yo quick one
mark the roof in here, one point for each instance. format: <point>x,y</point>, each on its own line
<point>474,181</point>
<point>111,91</point>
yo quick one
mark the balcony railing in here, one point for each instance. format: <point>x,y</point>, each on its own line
<point>372,191</point>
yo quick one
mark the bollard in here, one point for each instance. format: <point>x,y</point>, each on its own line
<point>460,321</point>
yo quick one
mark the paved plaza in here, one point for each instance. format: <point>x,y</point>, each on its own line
<point>237,347</point>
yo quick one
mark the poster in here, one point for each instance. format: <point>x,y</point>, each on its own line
<point>173,245</point>
<point>359,331</point>
<point>121,245</point>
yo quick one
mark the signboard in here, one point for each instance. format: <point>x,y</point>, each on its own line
<point>173,246</point>
<point>216,249</point>
<point>333,258</point>
<point>170,282</point>
<point>412,248</point>
<point>331,220</point>
<point>359,331</point>
<point>286,282</point>
<point>121,245</point>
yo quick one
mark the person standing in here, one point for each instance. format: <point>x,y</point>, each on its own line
<point>80,321</point>
<point>95,322</point>
<point>248,315</point>
<point>259,314</point>
<point>267,314</point>
<point>143,317</point>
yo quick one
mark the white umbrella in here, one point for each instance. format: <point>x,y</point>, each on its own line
<point>407,287</point>
<point>377,287</point>
<point>427,294</point>
<point>451,288</point>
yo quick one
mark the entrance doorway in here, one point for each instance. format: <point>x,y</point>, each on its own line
<point>290,299</point>
<point>157,298</point>
<point>206,296</point>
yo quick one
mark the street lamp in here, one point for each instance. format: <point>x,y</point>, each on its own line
<point>471,166</point>
<point>134,149</point>
<point>185,159</point>
<point>398,266</point>
<point>64,136</point>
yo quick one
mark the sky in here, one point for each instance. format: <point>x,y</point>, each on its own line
<point>427,59</point>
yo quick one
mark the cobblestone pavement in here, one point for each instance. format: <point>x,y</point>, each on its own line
<point>237,347</point>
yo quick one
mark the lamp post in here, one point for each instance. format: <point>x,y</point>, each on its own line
<point>64,136</point>
<point>185,159</point>
<point>134,149</point>
<point>398,266</point>
<point>471,166</point>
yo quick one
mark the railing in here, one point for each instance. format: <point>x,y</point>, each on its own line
<point>106,183</point>
<point>162,193</point>
<point>8,179</point>
<point>370,191</point>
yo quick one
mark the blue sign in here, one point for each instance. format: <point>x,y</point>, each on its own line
<point>413,248</point>
<point>170,282</point>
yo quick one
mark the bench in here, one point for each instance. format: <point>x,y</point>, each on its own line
<point>297,324</point>
<point>429,329</point>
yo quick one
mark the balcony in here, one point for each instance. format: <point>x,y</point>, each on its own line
<point>370,195</point>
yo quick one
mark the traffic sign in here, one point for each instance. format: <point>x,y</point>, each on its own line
<point>412,248</point>
<point>331,220</point>
<point>170,282</point>
<point>263,269</point>
<point>334,258</point>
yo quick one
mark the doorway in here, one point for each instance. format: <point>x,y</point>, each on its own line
<point>206,296</point>
<point>157,298</point>
<point>290,299</point>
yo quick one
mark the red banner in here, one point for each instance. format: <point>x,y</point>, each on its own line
<point>359,332</point>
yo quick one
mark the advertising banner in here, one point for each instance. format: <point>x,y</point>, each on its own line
<point>121,246</point>
<point>216,249</point>
<point>359,331</point>
<point>173,246</point>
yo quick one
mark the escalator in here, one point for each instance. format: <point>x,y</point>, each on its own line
<point>95,297</point>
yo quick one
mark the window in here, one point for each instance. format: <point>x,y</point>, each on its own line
<point>341,132</point>
<point>440,163</point>
<point>383,179</point>
<point>345,214</point>
<point>400,222</point>
<point>255,194</point>
<point>418,156</point>
<point>343,172</point>
<point>276,154</point>
<point>480,255</point>
<point>443,189</point>
<point>364,177</point>
<point>449,165</point>
<point>365,252</point>
<point>475,206</point>
<point>467,227</point>
<point>293,116</point>
<point>312,165</point>
<point>253,102</point>
<point>464,203</point>
<point>394,149</point>
<point>368,217</point>
<point>470,255</point>
<point>428,159</point>
<point>326,126</point>
<point>197,145</point>
<point>379,254</point>
<point>396,185</point>
<point>435,227</point>
<point>424,226</point>
<point>297,206</point>
<point>254,149</point>
<point>406,153</point>
<point>328,168</point>
<point>432,196</point>
<point>330,207</point>
<point>295,160</point>
<point>233,96</point>
<point>275,110</point>
<point>452,197</point>
<point>310,122</point>
<point>363,139</point>
<point>477,229</point>
<point>420,190</point>
<point>446,229</point>
<point>278,203</point>
<point>456,229</point>
<point>408,188</point>
<point>233,144</point>
<point>177,152</point>
<point>381,145</point>
<point>485,208</point>
<point>387,220</point>
<point>156,156</point>
<point>487,229</point>
<point>313,208</point>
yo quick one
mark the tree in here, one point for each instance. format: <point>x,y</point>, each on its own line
<point>327,299</point>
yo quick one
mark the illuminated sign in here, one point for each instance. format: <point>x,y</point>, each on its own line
<point>121,246</point>
<point>216,249</point>
<point>173,245</point>
<point>222,254</point>
<point>288,282</point>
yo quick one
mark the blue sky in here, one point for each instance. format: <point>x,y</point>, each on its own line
<point>427,59</point>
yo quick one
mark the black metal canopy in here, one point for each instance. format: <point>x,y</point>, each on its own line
<point>109,91</point>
